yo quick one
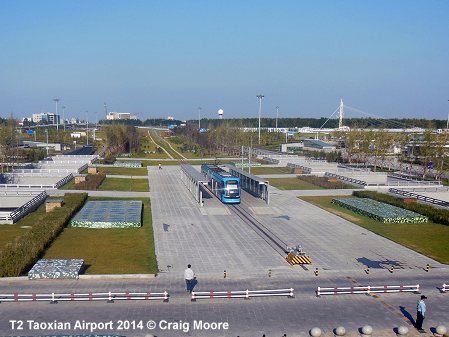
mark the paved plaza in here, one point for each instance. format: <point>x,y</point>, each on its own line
<point>213,239</point>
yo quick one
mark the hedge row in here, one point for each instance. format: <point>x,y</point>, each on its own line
<point>324,182</point>
<point>93,181</point>
<point>20,255</point>
<point>434,214</point>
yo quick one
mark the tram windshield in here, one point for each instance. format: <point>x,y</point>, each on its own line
<point>232,187</point>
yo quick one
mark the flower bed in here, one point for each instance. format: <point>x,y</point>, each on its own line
<point>380,211</point>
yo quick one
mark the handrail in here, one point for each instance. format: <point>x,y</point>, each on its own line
<point>242,293</point>
<point>419,197</point>
<point>367,289</point>
<point>102,296</point>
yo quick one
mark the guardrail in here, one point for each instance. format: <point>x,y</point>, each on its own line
<point>409,178</point>
<point>63,181</point>
<point>305,169</point>
<point>242,293</point>
<point>105,296</point>
<point>420,197</point>
<point>367,290</point>
<point>445,287</point>
<point>270,160</point>
<point>46,172</point>
<point>12,217</point>
<point>344,178</point>
<point>23,186</point>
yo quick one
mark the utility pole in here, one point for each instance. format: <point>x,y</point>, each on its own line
<point>46,131</point>
<point>447,124</point>
<point>63,116</point>
<point>277,116</point>
<point>87,128</point>
<point>199,117</point>
<point>260,96</point>
<point>57,122</point>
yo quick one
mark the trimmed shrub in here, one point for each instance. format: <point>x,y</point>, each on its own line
<point>93,181</point>
<point>324,182</point>
<point>434,214</point>
<point>380,211</point>
<point>18,256</point>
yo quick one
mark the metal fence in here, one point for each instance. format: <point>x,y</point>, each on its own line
<point>242,293</point>
<point>420,197</point>
<point>367,290</point>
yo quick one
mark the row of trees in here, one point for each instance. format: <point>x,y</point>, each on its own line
<point>120,138</point>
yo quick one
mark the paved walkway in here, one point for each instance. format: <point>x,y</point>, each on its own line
<point>272,316</point>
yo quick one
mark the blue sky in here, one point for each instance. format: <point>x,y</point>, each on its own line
<point>161,58</point>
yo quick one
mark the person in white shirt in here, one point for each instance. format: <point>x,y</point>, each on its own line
<point>189,275</point>
<point>420,313</point>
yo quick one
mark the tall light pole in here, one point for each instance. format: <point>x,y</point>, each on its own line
<point>260,96</point>
<point>56,100</point>
<point>46,131</point>
<point>63,117</point>
<point>199,117</point>
<point>105,110</point>
<point>277,116</point>
<point>87,128</point>
<point>447,124</point>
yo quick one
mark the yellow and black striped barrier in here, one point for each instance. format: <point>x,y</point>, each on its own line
<point>298,259</point>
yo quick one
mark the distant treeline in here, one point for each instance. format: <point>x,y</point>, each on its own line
<point>395,123</point>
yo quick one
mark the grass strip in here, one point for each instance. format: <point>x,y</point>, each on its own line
<point>428,238</point>
<point>110,251</point>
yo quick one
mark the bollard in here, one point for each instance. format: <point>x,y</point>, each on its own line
<point>269,272</point>
<point>441,330</point>
<point>224,274</point>
<point>315,332</point>
<point>427,268</point>
<point>391,269</point>
<point>316,271</point>
<point>402,330</point>
<point>367,330</point>
<point>340,331</point>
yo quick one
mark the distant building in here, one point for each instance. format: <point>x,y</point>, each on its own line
<point>74,121</point>
<point>318,145</point>
<point>170,118</point>
<point>46,117</point>
<point>120,116</point>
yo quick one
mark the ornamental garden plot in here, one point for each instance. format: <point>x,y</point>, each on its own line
<point>109,214</point>
<point>380,211</point>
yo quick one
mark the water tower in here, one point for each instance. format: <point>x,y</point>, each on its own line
<point>220,114</point>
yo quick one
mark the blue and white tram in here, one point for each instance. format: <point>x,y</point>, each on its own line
<point>225,186</point>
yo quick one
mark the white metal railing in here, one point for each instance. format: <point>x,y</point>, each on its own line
<point>63,181</point>
<point>45,172</point>
<point>242,293</point>
<point>16,187</point>
<point>445,287</point>
<point>29,206</point>
<point>367,290</point>
<point>105,296</point>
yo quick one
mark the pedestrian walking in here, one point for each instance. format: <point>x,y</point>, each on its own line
<point>189,276</point>
<point>160,166</point>
<point>420,313</point>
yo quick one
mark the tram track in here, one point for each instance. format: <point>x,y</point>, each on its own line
<point>265,233</point>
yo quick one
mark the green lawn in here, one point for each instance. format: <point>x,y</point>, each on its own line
<point>270,170</point>
<point>429,238</point>
<point>9,232</point>
<point>292,184</point>
<point>127,171</point>
<point>124,184</point>
<point>110,251</point>
<point>69,186</point>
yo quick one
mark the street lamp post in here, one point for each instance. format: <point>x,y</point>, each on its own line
<point>46,131</point>
<point>56,100</point>
<point>63,117</point>
<point>260,96</point>
<point>199,117</point>
<point>87,128</point>
<point>447,124</point>
<point>277,116</point>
